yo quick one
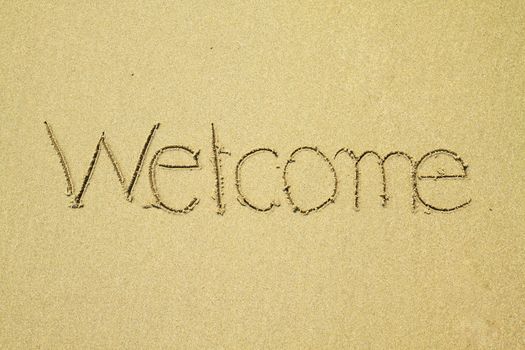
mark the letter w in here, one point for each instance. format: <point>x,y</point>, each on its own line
<point>101,145</point>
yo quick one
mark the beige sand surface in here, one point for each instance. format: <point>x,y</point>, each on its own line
<point>273,76</point>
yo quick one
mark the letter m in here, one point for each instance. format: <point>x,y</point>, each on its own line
<point>381,162</point>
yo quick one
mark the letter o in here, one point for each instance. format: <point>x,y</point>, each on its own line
<point>287,190</point>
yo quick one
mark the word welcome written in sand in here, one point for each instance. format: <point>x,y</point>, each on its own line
<point>418,174</point>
